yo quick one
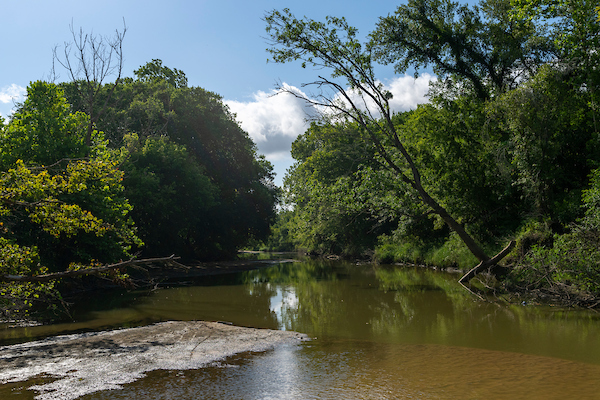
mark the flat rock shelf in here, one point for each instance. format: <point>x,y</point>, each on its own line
<point>89,362</point>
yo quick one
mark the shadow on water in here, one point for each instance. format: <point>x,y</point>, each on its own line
<point>381,332</point>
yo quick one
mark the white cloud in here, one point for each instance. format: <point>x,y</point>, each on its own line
<point>407,93</point>
<point>273,120</point>
<point>10,95</point>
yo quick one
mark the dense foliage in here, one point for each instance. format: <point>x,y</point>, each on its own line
<point>166,170</point>
<point>172,196</point>
<point>192,170</point>
<point>62,203</point>
<point>507,144</point>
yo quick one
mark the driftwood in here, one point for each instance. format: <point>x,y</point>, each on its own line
<point>487,263</point>
<point>87,271</point>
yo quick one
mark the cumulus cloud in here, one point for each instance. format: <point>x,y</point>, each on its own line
<point>273,120</point>
<point>407,93</point>
<point>9,95</point>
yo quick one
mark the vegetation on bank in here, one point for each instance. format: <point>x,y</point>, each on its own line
<point>166,170</point>
<point>507,149</point>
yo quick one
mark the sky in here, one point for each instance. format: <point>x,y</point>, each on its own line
<point>219,45</point>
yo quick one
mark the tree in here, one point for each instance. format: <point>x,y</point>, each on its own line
<point>338,191</point>
<point>43,130</point>
<point>71,212</point>
<point>334,46</point>
<point>552,143</point>
<point>44,135</point>
<point>59,211</point>
<point>567,266</point>
<point>155,71</point>
<point>572,28</point>
<point>158,103</point>
<point>458,150</point>
<point>171,197</point>
<point>479,46</point>
<point>96,58</point>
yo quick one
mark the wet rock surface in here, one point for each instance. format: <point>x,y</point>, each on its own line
<point>90,362</point>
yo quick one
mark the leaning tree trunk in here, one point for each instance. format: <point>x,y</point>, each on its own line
<point>415,182</point>
<point>471,244</point>
<point>321,46</point>
<point>474,248</point>
<point>487,264</point>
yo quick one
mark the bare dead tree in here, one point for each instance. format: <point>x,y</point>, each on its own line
<point>90,60</point>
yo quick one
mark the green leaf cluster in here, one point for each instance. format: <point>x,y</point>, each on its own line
<point>60,202</point>
<point>172,195</point>
<point>567,264</point>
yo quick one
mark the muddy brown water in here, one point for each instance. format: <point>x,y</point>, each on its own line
<point>379,333</point>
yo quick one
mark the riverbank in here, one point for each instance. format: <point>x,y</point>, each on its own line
<point>199,269</point>
<point>154,275</point>
<point>89,362</point>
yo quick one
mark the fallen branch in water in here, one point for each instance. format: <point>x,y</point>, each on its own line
<point>488,263</point>
<point>88,271</point>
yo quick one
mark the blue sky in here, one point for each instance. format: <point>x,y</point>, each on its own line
<point>220,46</point>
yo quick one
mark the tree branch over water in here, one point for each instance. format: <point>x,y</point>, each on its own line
<point>333,45</point>
<point>89,271</point>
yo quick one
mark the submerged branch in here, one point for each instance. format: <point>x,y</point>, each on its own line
<point>487,263</point>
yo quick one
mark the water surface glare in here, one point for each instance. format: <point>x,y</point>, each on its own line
<point>380,333</point>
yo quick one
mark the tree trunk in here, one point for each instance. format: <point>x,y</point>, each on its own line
<point>88,271</point>
<point>473,247</point>
<point>488,263</point>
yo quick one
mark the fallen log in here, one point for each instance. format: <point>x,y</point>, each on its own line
<point>87,271</point>
<point>487,263</point>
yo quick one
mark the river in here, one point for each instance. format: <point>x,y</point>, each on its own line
<point>379,332</point>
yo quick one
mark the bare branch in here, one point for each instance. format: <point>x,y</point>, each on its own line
<point>90,60</point>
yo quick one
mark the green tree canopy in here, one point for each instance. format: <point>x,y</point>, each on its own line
<point>158,103</point>
<point>171,197</point>
<point>155,71</point>
<point>43,130</point>
<point>478,45</point>
<point>58,209</point>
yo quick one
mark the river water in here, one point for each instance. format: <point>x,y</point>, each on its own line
<point>379,333</point>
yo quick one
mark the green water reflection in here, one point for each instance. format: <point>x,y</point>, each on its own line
<point>382,332</point>
<point>417,306</point>
<point>333,300</point>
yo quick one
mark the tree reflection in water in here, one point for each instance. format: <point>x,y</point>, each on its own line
<point>415,305</point>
